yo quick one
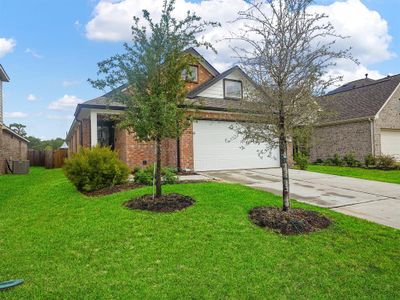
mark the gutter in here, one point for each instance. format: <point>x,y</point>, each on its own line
<point>345,121</point>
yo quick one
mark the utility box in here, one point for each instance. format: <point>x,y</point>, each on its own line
<point>20,166</point>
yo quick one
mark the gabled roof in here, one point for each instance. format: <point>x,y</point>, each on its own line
<point>352,84</point>
<point>195,92</point>
<point>362,101</point>
<point>203,61</point>
<point>3,75</point>
<point>102,102</point>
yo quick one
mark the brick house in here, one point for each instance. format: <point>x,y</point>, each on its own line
<point>219,98</point>
<point>12,145</point>
<point>364,118</point>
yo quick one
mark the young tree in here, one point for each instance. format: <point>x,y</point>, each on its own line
<point>18,128</point>
<point>150,73</point>
<point>287,50</point>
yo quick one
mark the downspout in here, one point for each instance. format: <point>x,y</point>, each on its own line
<point>80,132</point>
<point>178,154</point>
<point>372,130</point>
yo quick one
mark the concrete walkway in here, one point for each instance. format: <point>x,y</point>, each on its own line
<point>372,200</point>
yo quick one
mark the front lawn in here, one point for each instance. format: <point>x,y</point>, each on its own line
<point>392,176</point>
<point>68,246</point>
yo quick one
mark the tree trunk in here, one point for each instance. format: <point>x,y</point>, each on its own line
<point>158,168</point>
<point>283,155</point>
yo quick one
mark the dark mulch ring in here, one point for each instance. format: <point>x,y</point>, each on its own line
<point>295,221</point>
<point>186,173</point>
<point>114,189</point>
<point>165,203</point>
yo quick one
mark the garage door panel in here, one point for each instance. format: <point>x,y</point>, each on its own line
<point>213,149</point>
<point>390,142</point>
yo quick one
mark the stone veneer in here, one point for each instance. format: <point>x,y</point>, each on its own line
<point>359,137</point>
<point>341,139</point>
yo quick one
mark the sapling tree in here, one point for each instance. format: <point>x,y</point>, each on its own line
<point>288,51</point>
<point>148,79</point>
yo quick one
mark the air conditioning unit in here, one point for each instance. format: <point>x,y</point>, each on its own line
<point>18,166</point>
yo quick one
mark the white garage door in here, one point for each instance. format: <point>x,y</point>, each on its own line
<point>212,151</point>
<point>390,142</point>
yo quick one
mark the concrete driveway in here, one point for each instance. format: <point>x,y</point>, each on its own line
<point>372,200</point>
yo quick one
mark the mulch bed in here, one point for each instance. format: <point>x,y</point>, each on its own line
<point>295,221</point>
<point>131,186</point>
<point>186,173</point>
<point>165,203</point>
<point>114,189</point>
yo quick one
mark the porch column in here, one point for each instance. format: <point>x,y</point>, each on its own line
<point>93,128</point>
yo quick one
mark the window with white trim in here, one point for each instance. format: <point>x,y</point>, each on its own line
<point>233,89</point>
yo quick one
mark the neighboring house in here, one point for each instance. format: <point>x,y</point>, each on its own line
<point>364,118</point>
<point>12,145</point>
<point>203,146</point>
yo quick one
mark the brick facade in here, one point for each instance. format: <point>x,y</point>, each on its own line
<point>342,138</point>
<point>11,148</point>
<point>359,137</point>
<point>203,76</point>
<point>141,154</point>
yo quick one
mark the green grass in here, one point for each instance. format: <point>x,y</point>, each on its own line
<point>67,246</point>
<point>392,176</point>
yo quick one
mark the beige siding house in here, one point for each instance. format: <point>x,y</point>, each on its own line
<point>364,118</point>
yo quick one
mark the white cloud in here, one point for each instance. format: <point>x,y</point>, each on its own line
<point>16,115</point>
<point>69,83</point>
<point>77,25</point>
<point>31,98</point>
<point>368,31</point>
<point>33,53</point>
<point>67,102</point>
<point>6,46</point>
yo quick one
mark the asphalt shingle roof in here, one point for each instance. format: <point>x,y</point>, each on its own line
<point>364,100</point>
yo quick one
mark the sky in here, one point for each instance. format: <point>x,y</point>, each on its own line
<point>50,48</point>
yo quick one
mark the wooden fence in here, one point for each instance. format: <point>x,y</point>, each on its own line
<point>47,158</point>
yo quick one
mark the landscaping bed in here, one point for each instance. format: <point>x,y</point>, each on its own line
<point>165,203</point>
<point>114,189</point>
<point>294,221</point>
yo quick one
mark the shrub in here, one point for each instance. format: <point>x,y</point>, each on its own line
<point>301,160</point>
<point>95,168</point>
<point>369,160</point>
<point>319,161</point>
<point>386,162</point>
<point>336,160</point>
<point>145,175</point>
<point>350,160</point>
<point>333,161</point>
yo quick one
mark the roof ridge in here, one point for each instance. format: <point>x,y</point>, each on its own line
<point>377,81</point>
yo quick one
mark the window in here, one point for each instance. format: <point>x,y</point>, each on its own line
<point>192,75</point>
<point>105,133</point>
<point>233,89</point>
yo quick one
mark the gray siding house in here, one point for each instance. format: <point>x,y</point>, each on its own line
<point>363,118</point>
